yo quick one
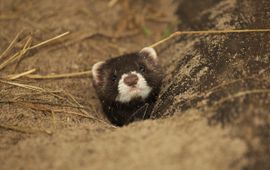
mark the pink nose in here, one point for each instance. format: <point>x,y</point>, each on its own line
<point>131,80</point>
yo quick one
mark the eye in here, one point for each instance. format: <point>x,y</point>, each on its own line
<point>142,68</point>
<point>114,77</point>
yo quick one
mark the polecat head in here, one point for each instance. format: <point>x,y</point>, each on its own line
<point>127,77</point>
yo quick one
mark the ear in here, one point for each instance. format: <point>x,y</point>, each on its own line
<point>96,72</point>
<point>150,53</point>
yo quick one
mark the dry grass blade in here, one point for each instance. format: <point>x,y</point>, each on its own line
<point>17,55</point>
<point>57,76</point>
<point>72,98</point>
<point>39,107</point>
<point>39,89</point>
<point>16,76</point>
<point>24,50</point>
<point>40,103</point>
<point>11,44</point>
<point>49,40</point>
<point>28,47</point>
<point>72,104</point>
<point>23,85</point>
<point>175,34</point>
<point>24,130</point>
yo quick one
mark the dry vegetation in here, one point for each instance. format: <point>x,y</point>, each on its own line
<point>17,88</point>
<point>34,97</point>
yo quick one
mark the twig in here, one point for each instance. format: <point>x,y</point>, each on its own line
<point>175,34</point>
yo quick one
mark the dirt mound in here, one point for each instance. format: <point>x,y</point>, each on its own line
<point>214,104</point>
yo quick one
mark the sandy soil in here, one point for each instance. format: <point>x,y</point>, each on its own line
<point>62,125</point>
<point>98,31</point>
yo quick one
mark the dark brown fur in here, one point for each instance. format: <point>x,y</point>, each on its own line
<point>109,74</point>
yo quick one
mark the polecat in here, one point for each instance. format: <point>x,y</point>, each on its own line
<point>128,85</point>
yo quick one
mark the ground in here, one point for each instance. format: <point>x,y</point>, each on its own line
<point>58,123</point>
